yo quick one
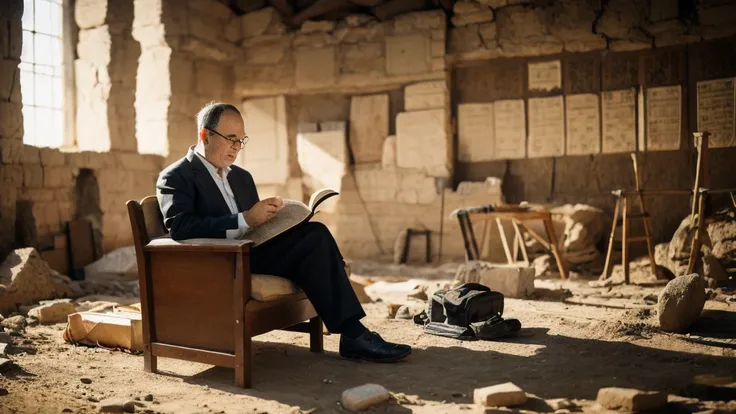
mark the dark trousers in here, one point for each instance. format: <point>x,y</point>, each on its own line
<point>308,256</point>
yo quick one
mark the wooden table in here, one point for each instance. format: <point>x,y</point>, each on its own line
<point>517,215</point>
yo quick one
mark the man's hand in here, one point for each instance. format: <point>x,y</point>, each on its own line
<point>263,211</point>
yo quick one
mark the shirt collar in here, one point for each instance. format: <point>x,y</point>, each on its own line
<point>211,168</point>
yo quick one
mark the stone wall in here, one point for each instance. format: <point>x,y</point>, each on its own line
<point>37,185</point>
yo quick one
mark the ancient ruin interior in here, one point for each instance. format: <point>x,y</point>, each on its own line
<point>600,135</point>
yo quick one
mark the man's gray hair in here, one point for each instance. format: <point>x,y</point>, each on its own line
<point>209,116</point>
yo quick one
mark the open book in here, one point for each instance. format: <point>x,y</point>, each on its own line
<point>292,213</point>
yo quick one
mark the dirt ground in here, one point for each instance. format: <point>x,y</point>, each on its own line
<point>565,350</point>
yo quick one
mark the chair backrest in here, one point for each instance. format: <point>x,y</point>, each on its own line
<point>146,220</point>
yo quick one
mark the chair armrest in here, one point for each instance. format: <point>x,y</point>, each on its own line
<point>167,244</point>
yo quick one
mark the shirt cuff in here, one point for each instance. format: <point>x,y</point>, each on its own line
<point>240,231</point>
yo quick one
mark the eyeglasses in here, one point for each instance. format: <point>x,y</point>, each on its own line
<point>233,142</point>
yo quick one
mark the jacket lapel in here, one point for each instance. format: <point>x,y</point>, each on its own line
<point>239,192</point>
<point>207,185</point>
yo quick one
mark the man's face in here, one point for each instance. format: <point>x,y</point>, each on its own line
<point>218,150</point>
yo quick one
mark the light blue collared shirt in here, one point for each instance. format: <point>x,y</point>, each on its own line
<point>227,194</point>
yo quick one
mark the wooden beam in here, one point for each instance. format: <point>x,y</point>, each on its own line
<point>319,8</point>
<point>395,7</point>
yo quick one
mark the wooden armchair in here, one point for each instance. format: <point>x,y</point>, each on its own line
<point>197,298</point>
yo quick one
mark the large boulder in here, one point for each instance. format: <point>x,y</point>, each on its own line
<point>25,278</point>
<point>681,302</point>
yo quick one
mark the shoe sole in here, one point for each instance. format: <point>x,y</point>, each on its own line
<point>381,360</point>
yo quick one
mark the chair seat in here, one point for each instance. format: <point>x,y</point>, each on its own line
<point>265,288</point>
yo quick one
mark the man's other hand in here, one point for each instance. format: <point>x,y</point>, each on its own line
<point>263,211</point>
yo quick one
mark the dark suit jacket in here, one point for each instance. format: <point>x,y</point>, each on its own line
<point>192,204</point>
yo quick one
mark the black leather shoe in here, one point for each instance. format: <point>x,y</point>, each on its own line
<point>369,346</point>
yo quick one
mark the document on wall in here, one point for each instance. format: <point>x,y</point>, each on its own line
<point>545,76</point>
<point>583,124</point>
<point>475,132</point>
<point>716,111</point>
<point>510,129</point>
<point>664,108</point>
<point>546,127</point>
<point>619,121</point>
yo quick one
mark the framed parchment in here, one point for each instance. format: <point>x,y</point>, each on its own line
<point>509,129</point>
<point>545,76</point>
<point>546,127</point>
<point>475,132</point>
<point>583,124</point>
<point>716,111</point>
<point>619,121</point>
<point>664,118</point>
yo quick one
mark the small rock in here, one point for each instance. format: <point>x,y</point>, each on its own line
<point>501,395</point>
<point>130,406</point>
<point>630,399</point>
<point>681,302</point>
<point>93,399</point>
<point>560,404</point>
<point>2,349</point>
<point>410,309</point>
<point>31,321</point>
<point>67,410</point>
<point>16,323</point>
<point>85,380</point>
<point>5,338</point>
<point>148,397</point>
<point>364,396</point>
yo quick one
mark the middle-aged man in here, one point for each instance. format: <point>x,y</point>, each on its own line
<point>204,195</point>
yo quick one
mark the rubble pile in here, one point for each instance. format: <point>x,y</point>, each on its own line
<point>718,249</point>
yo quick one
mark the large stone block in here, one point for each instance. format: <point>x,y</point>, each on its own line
<point>323,156</point>
<point>268,52</point>
<point>681,302</point>
<point>212,8</point>
<point>512,281</point>
<point>315,67</point>
<point>388,159</point>
<point>475,132</point>
<point>90,13</point>
<point>9,79</point>
<point>209,78</point>
<point>422,141</point>
<point>368,127</point>
<point>631,400</point>
<point>467,12</point>
<point>32,176</point>
<point>412,22</point>
<point>376,185</point>
<point>11,176</point>
<point>266,156</point>
<point>55,177</point>
<point>425,95</point>
<point>95,46</point>
<point>11,151</point>
<point>408,54</point>
<point>201,26</point>
<point>501,395</point>
<point>264,21</point>
<point>465,39</point>
<point>11,121</point>
<point>218,51</point>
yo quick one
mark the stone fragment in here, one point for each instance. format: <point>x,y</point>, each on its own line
<point>5,364</point>
<point>357,20</point>
<point>364,396</point>
<point>317,26</point>
<point>501,395</point>
<point>85,381</point>
<point>512,281</point>
<point>15,323</point>
<point>425,95</point>
<point>467,12</point>
<point>561,404</point>
<point>368,127</point>
<point>263,21</point>
<point>681,302</point>
<point>408,54</point>
<point>631,400</point>
<point>54,311</point>
<point>422,141</point>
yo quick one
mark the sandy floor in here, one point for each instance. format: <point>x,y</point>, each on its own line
<point>564,351</point>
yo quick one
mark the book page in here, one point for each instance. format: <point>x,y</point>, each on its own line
<point>320,196</point>
<point>291,213</point>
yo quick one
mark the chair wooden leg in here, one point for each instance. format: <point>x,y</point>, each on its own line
<point>316,343</point>
<point>150,362</point>
<point>244,365</point>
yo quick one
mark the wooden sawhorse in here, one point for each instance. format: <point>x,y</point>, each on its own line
<point>517,215</point>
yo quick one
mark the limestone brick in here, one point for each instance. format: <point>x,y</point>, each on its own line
<point>95,46</point>
<point>481,15</point>
<point>218,51</point>
<point>32,176</point>
<point>233,30</point>
<point>66,211</point>
<point>52,157</point>
<point>268,52</point>
<point>138,162</point>
<point>210,78</point>
<point>425,95</point>
<point>205,27</point>
<point>323,156</point>
<point>313,26</point>
<point>408,54</point>
<point>368,127</point>
<point>522,32</point>
<point>438,64</point>
<point>55,177</point>
<point>263,21</point>
<point>620,17</point>
<point>64,195</point>
<point>388,158</point>
<point>37,195</point>
<point>314,40</point>
<point>11,151</point>
<point>15,36</point>
<point>315,68</point>
<point>422,142</point>
<point>11,121</point>
<point>90,13</point>
<point>426,20</point>
<point>494,4</point>
<point>416,188</point>
<point>373,32</point>
<point>377,185</point>
<point>357,20</point>
<point>465,39</point>
<point>11,176</point>
<point>9,79</point>
<point>30,155</point>
<point>362,58</point>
